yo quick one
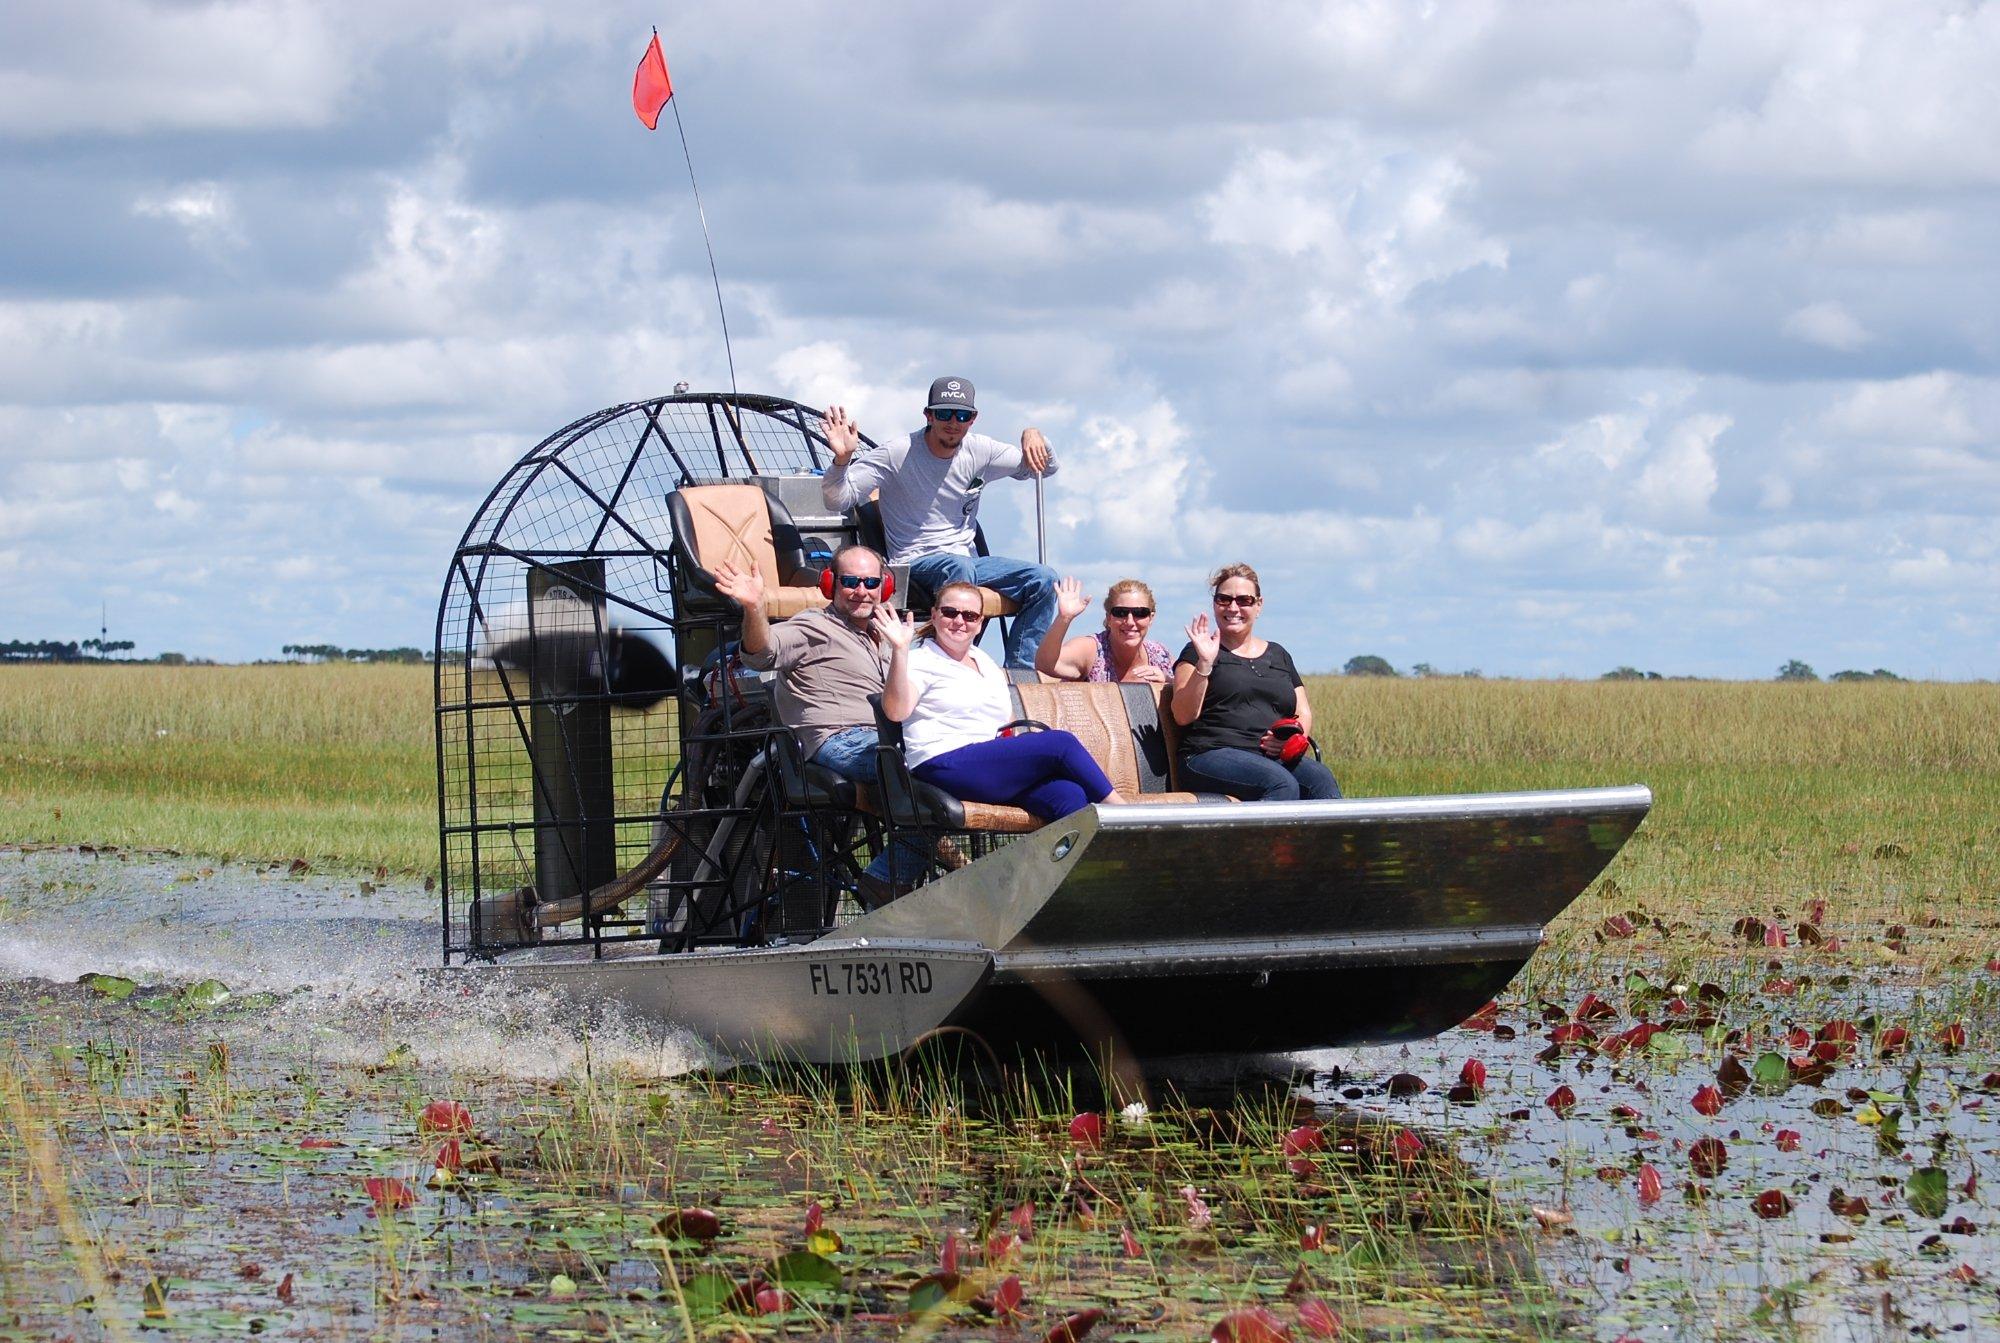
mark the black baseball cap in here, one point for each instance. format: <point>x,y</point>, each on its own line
<point>951,394</point>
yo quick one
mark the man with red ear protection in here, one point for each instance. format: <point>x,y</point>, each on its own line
<point>828,586</point>
<point>828,663</point>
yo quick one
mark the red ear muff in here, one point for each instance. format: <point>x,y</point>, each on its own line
<point>826,584</point>
<point>1292,739</point>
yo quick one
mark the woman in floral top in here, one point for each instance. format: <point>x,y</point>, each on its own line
<point>1118,652</point>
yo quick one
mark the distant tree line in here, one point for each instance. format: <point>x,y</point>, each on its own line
<point>62,650</point>
<point>335,653</point>
<point>1368,664</point>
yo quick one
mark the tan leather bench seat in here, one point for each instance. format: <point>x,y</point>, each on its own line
<point>1128,730</point>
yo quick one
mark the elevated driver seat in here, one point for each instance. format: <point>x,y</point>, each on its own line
<point>743,525</point>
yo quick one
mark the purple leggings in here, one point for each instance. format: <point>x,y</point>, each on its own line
<point>1046,773</point>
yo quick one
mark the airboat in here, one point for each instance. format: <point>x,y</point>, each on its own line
<point>626,832</point>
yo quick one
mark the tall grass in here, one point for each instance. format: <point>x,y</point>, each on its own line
<point>331,764</point>
<point>1764,791</point>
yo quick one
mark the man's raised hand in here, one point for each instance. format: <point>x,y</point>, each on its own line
<point>1035,450</point>
<point>894,628</point>
<point>1070,598</point>
<point>843,435</point>
<point>742,586</point>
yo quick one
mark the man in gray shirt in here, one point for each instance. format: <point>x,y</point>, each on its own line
<point>828,663</point>
<point>930,484</point>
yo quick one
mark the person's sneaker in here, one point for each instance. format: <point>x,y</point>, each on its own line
<point>872,892</point>
<point>950,854</point>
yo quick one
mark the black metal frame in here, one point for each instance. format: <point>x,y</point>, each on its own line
<point>544,769</point>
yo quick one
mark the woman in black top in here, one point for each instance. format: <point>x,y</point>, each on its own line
<point>1229,689</point>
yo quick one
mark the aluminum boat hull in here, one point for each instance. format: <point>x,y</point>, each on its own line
<point>1147,932</point>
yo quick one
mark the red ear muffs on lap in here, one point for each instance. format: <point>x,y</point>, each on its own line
<point>1292,739</point>
<point>826,584</point>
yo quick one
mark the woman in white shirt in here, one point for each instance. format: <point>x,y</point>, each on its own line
<point>951,699</point>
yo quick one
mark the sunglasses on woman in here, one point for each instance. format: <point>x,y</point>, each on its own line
<point>1129,612</point>
<point>1236,599</point>
<point>953,613</point>
<point>956,416</point>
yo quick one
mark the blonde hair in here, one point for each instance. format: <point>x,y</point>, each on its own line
<point>928,630</point>
<point>1229,571</point>
<point>1130,585</point>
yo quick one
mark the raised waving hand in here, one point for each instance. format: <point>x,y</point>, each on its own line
<point>843,435</point>
<point>1207,641</point>
<point>745,587</point>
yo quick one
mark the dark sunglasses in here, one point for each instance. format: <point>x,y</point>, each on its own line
<point>962,416</point>
<point>1236,599</point>
<point>851,581</point>
<point>953,613</point>
<point>1129,612</point>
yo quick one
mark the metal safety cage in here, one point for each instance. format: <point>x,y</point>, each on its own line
<point>602,762</point>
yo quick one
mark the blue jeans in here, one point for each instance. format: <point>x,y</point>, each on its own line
<point>1047,774</point>
<point>1255,777</point>
<point>850,753</point>
<point>1031,586</point>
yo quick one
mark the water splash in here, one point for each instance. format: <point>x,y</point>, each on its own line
<point>351,972</point>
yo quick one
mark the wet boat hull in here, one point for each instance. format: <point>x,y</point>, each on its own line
<point>855,1002</point>
<point>1148,932</point>
<point>1267,927</point>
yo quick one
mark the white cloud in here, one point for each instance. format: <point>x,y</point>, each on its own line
<point>1826,323</point>
<point>1680,477</point>
<point>1926,408</point>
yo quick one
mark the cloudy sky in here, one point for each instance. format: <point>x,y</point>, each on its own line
<point>1537,338</point>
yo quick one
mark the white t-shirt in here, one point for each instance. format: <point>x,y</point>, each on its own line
<point>958,703</point>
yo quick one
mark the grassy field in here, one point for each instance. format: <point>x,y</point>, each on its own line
<point>1764,790</point>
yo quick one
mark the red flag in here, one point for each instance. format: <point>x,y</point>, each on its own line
<point>651,87</point>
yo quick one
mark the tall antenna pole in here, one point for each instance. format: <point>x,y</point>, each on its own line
<point>702,215</point>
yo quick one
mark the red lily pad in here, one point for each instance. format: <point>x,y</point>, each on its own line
<point>689,1224</point>
<point>1594,1008</point>
<point>1303,1139</point>
<point>1318,1318</point>
<point>1708,1100</point>
<point>1708,1158</point>
<point>1087,1131</point>
<point>1562,1100</point>
<point>389,1194</point>
<point>1482,1020</point>
<point>445,1117</point>
<point>1005,1300</point>
<point>1649,1184</point>
<point>1074,1327</point>
<point>1253,1324</point>
<point>1772,1203</point>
